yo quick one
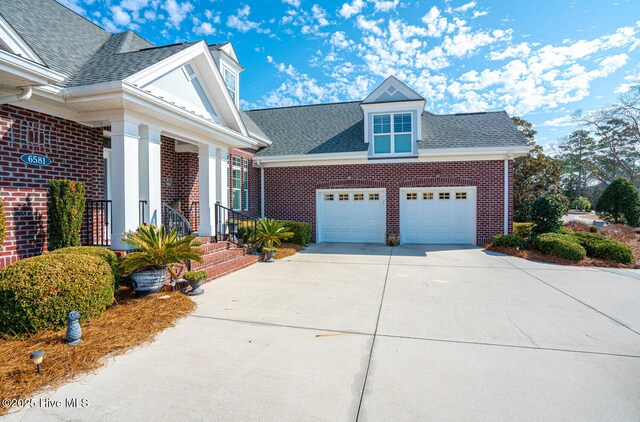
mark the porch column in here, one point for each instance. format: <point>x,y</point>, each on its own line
<point>207,186</point>
<point>223,177</point>
<point>150,184</point>
<point>125,190</point>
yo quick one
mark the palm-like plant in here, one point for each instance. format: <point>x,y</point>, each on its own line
<point>271,233</point>
<point>157,248</point>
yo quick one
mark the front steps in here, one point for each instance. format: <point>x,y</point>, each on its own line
<point>222,258</point>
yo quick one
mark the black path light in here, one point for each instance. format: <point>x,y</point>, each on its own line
<point>36,358</point>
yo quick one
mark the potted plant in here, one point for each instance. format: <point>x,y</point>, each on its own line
<point>270,234</point>
<point>232,226</point>
<point>195,280</point>
<point>157,251</point>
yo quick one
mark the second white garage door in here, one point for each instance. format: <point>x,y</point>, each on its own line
<point>438,215</point>
<point>351,215</point>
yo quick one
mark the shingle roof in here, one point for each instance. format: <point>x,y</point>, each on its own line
<point>252,127</point>
<point>339,127</point>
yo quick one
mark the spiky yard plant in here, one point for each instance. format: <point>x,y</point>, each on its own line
<point>157,248</point>
<point>272,232</point>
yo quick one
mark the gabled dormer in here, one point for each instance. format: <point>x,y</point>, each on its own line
<point>227,61</point>
<point>392,116</point>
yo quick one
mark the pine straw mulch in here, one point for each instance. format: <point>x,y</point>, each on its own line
<point>534,255</point>
<point>287,249</point>
<point>128,323</point>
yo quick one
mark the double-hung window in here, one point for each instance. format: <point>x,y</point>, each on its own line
<point>236,183</point>
<point>231,81</point>
<point>245,184</point>
<point>392,133</point>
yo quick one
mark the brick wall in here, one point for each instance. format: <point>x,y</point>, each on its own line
<point>76,154</point>
<point>291,191</point>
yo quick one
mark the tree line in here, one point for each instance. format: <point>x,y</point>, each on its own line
<point>584,163</point>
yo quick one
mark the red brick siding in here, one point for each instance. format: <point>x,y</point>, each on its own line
<point>291,191</point>
<point>188,185</point>
<point>76,153</point>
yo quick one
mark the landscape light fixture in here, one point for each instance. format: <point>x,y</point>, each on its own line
<point>36,358</point>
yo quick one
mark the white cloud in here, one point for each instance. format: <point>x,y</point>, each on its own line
<point>464,7</point>
<point>633,81</point>
<point>436,23</point>
<point>521,50</point>
<point>134,5</point>
<point>349,9</point>
<point>120,17</point>
<point>478,13</point>
<point>294,3</point>
<point>177,12</point>
<point>320,15</point>
<point>241,22</point>
<point>563,121</point>
<point>205,28</point>
<point>340,40</point>
<point>369,25</point>
<point>385,5</point>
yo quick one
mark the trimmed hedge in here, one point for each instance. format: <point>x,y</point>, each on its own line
<point>559,245</point>
<point>523,230</point>
<point>64,213</point>
<point>3,223</point>
<point>508,241</point>
<point>620,203</point>
<point>301,232</point>
<point>37,293</point>
<point>546,214</point>
<point>606,248</point>
<point>106,254</point>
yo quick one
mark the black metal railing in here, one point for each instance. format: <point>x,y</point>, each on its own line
<point>96,224</point>
<point>98,219</point>
<point>233,226</point>
<point>172,218</point>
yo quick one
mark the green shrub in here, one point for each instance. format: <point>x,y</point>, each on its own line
<point>620,203</point>
<point>546,214</point>
<point>3,223</point>
<point>560,245</point>
<point>581,203</point>
<point>106,254</point>
<point>593,229</point>
<point>565,230</point>
<point>37,293</point>
<point>64,213</point>
<point>194,276</point>
<point>523,230</point>
<point>301,232</point>
<point>246,231</point>
<point>602,247</point>
<point>508,241</point>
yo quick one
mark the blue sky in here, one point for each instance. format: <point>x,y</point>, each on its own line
<point>542,60</point>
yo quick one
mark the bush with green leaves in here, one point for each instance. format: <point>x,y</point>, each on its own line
<point>620,203</point>
<point>271,233</point>
<point>546,214</point>
<point>508,241</point>
<point>194,276</point>
<point>106,254</point>
<point>64,213</point>
<point>37,293</point>
<point>606,248</point>
<point>301,232</point>
<point>523,230</point>
<point>560,245</point>
<point>3,223</point>
<point>581,203</point>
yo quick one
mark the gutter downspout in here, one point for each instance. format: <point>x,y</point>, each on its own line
<point>24,95</point>
<point>506,194</point>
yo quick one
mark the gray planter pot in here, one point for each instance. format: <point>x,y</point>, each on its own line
<point>146,282</point>
<point>268,256</point>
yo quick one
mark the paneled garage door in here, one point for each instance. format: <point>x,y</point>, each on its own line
<point>351,215</point>
<point>438,215</point>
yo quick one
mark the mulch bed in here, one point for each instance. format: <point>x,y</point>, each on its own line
<point>534,255</point>
<point>128,323</point>
<point>287,249</point>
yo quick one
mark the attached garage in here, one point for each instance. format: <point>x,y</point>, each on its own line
<point>351,215</point>
<point>438,215</point>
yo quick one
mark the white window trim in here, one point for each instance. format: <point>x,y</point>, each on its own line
<point>392,134</point>
<point>234,96</point>
<point>233,188</point>
<point>245,185</point>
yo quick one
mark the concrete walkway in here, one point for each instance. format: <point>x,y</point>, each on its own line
<point>372,333</point>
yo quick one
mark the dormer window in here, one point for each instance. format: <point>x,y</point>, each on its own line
<point>393,138</point>
<point>231,81</point>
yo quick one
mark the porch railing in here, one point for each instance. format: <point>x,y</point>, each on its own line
<point>172,218</point>
<point>232,226</point>
<point>98,219</point>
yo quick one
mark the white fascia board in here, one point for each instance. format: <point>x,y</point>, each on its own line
<point>393,106</point>
<point>16,43</point>
<point>479,152</point>
<point>27,69</point>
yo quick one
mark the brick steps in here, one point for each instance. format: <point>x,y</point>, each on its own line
<point>222,258</point>
<point>227,267</point>
<point>217,257</point>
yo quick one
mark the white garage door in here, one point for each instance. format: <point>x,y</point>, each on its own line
<point>438,215</point>
<point>351,215</point>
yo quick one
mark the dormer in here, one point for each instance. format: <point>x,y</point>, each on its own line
<point>393,123</point>
<point>230,69</point>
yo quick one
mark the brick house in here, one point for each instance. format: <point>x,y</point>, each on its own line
<point>156,131</point>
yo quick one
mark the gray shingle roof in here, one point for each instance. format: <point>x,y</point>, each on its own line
<point>252,127</point>
<point>339,127</point>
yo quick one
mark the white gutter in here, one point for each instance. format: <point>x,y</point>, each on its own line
<point>25,94</point>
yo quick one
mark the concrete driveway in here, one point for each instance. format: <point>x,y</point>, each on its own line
<point>372,333</point>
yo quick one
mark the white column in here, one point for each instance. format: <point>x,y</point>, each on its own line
<point>223,178</point>
<point>207,165</point>
<point>150,183</point>
<point>124,180</point>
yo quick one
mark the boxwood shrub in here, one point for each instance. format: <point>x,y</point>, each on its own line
<point>64,213</point>
<point>560,245</point>
<point>508,240</point>
<point>602,247</point>
<point>37,293</point>
<point>523,230</point>
<point>106,254</point>
<point>301,232</point>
